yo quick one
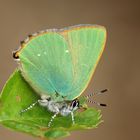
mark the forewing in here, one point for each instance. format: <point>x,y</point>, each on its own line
<point>46,64</point>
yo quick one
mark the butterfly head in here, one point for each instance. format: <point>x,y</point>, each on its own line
<point>75,104</point>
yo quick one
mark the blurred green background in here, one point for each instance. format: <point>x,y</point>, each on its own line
<point>118,69</point>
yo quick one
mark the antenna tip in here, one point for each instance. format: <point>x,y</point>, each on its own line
<point>104,90</point>
<point>103,105</point>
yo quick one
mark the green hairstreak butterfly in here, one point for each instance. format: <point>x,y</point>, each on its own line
<point>59,63</point>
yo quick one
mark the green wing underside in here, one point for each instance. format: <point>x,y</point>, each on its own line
<point>63,61</point>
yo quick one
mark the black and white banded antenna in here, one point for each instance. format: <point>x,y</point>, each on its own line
<point>92,94</point>
<point>100,104</point>
<point>97,93</point>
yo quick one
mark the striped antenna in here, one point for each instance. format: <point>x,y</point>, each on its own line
<point>98,93</point>
<point>96,103</point>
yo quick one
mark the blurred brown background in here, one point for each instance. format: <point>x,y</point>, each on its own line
<point>118,69</point>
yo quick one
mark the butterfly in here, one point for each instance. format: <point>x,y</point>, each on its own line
<point>59,63</point>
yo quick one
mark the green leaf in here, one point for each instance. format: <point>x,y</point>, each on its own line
<point>18,95</point>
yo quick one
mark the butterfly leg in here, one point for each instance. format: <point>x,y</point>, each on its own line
<point>72,118</point>
<point>52,118</point>
<point>43,102</point>
<point>29,108</point>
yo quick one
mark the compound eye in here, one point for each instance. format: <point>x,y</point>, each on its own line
<point>75,103</point>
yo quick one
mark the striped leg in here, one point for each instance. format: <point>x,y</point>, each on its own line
<point>52,118</point>
<point>72,117</point>
<point>29,108</point>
